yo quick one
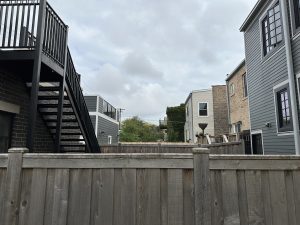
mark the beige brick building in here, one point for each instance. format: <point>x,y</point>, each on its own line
<point>206,106</point>
<point>237,94</point>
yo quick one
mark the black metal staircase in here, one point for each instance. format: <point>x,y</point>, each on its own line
<point>32,34</point>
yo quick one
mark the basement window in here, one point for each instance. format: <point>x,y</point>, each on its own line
<point>272,29</point>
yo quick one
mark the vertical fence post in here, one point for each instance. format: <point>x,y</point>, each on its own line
<point>13,186</point>
<point>202,186</point>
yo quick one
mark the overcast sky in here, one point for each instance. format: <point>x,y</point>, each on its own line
<point>145,55</point>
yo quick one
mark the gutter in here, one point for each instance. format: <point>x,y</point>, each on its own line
<point>290,67</point>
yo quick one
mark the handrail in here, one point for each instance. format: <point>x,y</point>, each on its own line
<point>73,83</point>
<point>18,28</point>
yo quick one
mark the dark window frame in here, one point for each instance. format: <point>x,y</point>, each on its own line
<point>11,117</point>
<point>282,125</point>
<point>203,110</point>
<point>245,85</point>
<point>295,14</point>
<point>271,28</point>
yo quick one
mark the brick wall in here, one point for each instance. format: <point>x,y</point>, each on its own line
<point>220,109</point>
<point>238,104</point>
<point>13,90</point>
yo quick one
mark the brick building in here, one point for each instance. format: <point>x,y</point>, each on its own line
<point>208,106</point>
<point>238,108</point>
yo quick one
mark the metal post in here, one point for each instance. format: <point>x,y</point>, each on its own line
<point>60,105</point>
<point>36,74</point>
<point>291,75</point>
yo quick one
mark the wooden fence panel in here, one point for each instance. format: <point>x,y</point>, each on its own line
<point>158,189</point>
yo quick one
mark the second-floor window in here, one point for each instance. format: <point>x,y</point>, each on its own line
<point>245,86</point>
<point>203,110</point>
<point>297,12</point>
<point>272,29</point>
<point>231,89</point>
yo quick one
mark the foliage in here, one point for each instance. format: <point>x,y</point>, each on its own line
<point>176,121</point>
<point>137,130</point>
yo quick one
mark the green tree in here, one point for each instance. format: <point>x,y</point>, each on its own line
<point>137,130</point>
<point>175,125</point>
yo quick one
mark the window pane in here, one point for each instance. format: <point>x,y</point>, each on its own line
<point>276,9</point>
<point>203,106</point>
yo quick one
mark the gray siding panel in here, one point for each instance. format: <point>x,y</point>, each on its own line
<point>91,103</point>
<point>109,128</point>
<point>263,75</point>
<point>100,109</point>
<point>93,118</point>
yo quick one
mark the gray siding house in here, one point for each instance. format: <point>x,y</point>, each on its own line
<point>272,46</point>
<point>105,119</point>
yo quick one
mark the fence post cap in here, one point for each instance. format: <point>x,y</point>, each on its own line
<point>18,150</point>
<point>201,151</point>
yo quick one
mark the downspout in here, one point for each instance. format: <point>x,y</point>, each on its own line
<point>290,67</point>
<point>192,111</point>
<point>228,105</point>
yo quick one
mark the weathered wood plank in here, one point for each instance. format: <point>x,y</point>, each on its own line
<point>216,198</point>
<point>230,198</point>
<point>3,160</point>
<point>242,196</point>
<point>148,196</point>
<point>12,188</point>
<point>175,197</point>
<point>25,196</point>
<point>37,197</point>
<point>57,189</point>
<point>128,197</point>
<point>2,188</point>
<point>296,182</point>
<point>164,196</point>
<point>254,164</point>
<point>111,162</point>
<point>254,197</point>
<point>102,197</point>
<point>79,196</point>
<point>278,198</point>
<point>290,197</point>
<point>266,197</point>
<point>188,197</point>
<point>117,212</point>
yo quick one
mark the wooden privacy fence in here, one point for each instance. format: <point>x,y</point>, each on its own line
<point>219,148</point>
<point>154,189</point>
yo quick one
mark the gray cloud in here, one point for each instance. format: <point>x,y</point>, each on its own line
<point>146,55</point>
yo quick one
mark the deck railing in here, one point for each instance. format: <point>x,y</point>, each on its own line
<point>73,83</point>
<point>18,28</point>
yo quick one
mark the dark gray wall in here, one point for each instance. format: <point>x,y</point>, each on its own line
<point>13,90</point>
<point>263,74</point>
<point>109,128</point>
<point>91,103</point>
<point>100,109</point>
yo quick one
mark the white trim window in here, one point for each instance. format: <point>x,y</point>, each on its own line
<point>203,109</point>
<point>109,139</point>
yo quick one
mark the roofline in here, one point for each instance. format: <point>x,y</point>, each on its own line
<point>252,14</point>
<point>195,91</point>
<point>236,69</point>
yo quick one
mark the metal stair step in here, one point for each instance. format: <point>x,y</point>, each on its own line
<point>41,105</point>
<point>72,139</point>
<point>49,88</point>
<point>51,97</point>
<point>55,113</point>
<point>63,120</point>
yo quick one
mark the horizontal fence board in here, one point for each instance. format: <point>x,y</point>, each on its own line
<point>110,161</point>
<point>3,160</point>
<point>245,164</point>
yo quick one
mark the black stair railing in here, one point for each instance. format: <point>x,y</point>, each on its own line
<point>18,28</point>
<point>72,80</point>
